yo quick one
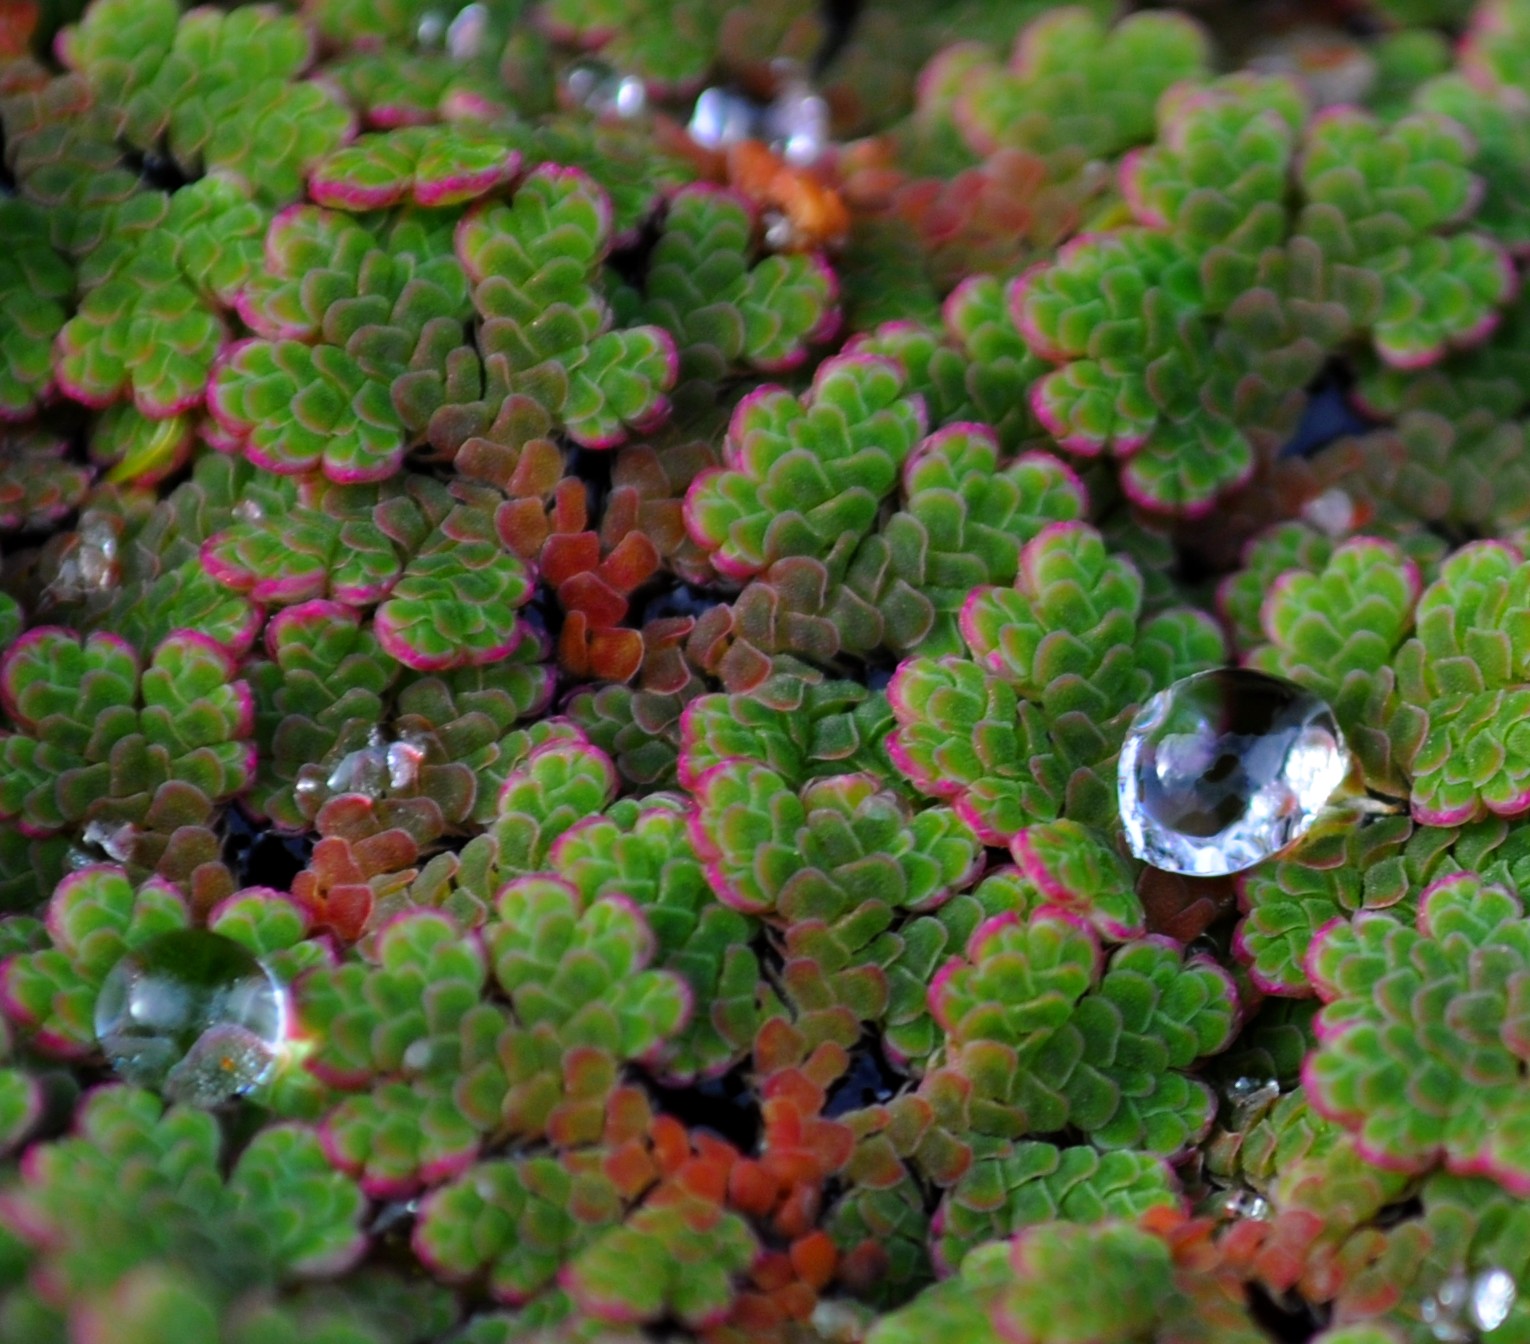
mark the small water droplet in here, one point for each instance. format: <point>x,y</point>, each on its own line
<point>404,758</point>
<point>1224,769</point>
<point>1245,1204</point>
<point>363,771</point>
<point>417,1056</point>
<point>192,1014</point>
<point>89,564</point>
<point>468,32</point>
<point>248,511</point>
<point>1247,1099</point>
<point>722,118</point>
<point>598,89</point>
<point>1493,1296</point>
<point>1444,1310</point>
<point>797,123</point>
<point>431,29</point>
<point>1333,512</point>
<point>115,842</point>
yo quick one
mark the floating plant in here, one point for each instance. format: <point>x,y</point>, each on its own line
<point>875,660</point>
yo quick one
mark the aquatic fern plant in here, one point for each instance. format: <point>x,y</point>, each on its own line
<point>577,584</point>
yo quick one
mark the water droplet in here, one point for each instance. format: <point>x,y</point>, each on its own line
<point>431,29</point>
<point>597,88</point>
<point>248,511</point>
<point>1224,769</point>
<point>722,118</point>
<point>468,32</point>
<point>89,563</point>
<point>1333,512</point>
<point>115,842</point>
<point>192,1014</point>
<point>1493,1296</point>
<point>1245,1204</point>
<point>363,771</point>
<point>1443,1311</point>
<point>1247,1099</point>
<point>404,758</point>
<point>797,123</point>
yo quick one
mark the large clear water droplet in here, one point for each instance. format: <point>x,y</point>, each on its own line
<point>1225,768</point>
<point>1493,1296</point>
<point>193,1015</point>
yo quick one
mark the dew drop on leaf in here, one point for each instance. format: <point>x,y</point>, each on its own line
<point>1493,1294</point>
<point>598,89</point>
<point>191,1014</point>
<point>1245,1204</point>
<point>1224,769</point>
<point>1444,1310</point>
<point>722,118</point>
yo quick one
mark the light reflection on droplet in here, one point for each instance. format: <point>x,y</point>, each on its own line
<point>1224,769</point>
<point>722,118</point>
<point>1245,1204</point>
<point>1493,1296</point>
<point>193,1014</point>
<point>468,32</point>
<point>603,91</point>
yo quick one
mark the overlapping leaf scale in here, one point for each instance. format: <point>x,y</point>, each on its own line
<point>642,851</point>
<point>522,1218</point>
<point>1422,1041</point>
<point>668,46</point>
<point>349,317</point>
<point>1379,201</point>
<point>1288,902</point>
<point>801,729</point>
<point>561,781</point>
<point>39,484</point>
<point>456,603</point>
<point>1077,869</point>
<point>223,90</point>
<point>428,166</point>
<point>822,851</point>
<point>96,737</point>
<point>278,1215</point>
<point>1058,1282</point>
<point>1280,549</point>
<point>585,1000</point>
<point>1467,667</point>
<point>1074,89</point>
<point>395,1032</point>
<point>963,522</point>
<point>973,366</point>
<point>35,286</point>
<point>726,307</point>
<point>801,473</point>
<point>1337,631</point>
<point>151,320</point>
<point>1500,127</point>
<point>1049,1035</point>
<point>544,328</point>
<point>1217,177</point>
<point>324,541</point>
<point>1021,1184</point>
<point>1027,726</point>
